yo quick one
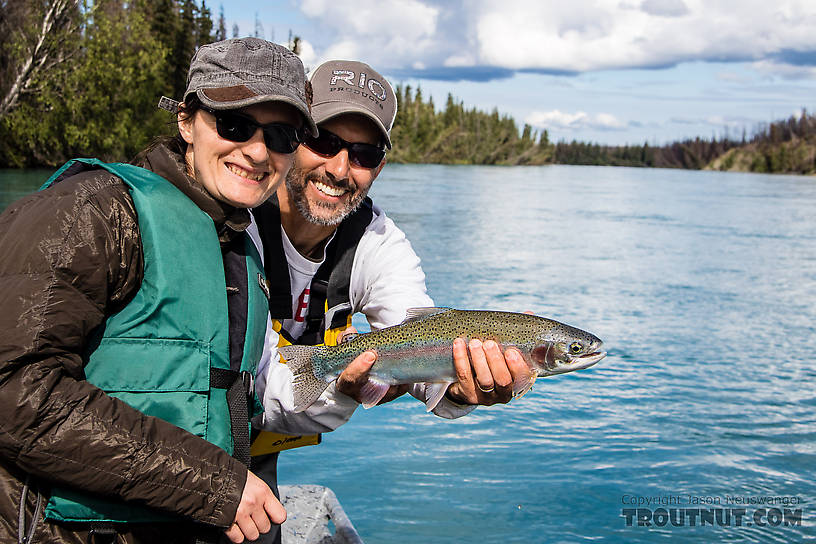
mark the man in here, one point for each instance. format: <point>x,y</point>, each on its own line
<point>330,252</point>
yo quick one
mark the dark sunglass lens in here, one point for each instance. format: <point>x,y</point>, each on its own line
<point>281,138</point>
<point>326,143</point>
<point>234,127</point>
<point>329,145</point>
<point>366,155</point>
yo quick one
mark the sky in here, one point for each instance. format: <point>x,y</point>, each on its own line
<point>607,71</point>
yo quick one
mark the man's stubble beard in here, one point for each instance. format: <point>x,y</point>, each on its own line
<point>296,182</point>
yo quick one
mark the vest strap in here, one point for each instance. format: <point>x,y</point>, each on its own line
<point>240,388</point>
<point>102,532</point>
<point>267,215</point>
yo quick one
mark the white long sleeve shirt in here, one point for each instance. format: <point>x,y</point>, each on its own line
<point>386,280</point>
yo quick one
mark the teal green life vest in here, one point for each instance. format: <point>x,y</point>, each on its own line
<point>159,353</point>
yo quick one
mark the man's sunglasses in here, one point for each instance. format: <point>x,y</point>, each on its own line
<point>329,144</point>
<point>235,127</point>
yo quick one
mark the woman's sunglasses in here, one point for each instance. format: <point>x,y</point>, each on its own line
<point>329,144</point>
<point>235,127</point>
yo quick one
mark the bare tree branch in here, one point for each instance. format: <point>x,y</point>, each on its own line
<point>38,55</point>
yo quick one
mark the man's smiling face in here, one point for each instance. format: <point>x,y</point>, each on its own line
<point>326,190</point>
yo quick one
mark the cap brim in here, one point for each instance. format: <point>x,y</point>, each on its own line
<point>260,99</point>
<point>329,110</point>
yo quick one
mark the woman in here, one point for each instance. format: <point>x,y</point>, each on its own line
<point>139,284</point>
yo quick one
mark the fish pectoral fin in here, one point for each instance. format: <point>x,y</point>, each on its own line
<point>415,314</point>
<point>523,385</point>
<point>434,393</point>
<point>372,392</point>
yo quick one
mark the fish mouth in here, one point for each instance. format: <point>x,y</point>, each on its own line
<point>579,363</point>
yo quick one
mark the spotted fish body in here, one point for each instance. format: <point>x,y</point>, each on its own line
<point>420,350</point>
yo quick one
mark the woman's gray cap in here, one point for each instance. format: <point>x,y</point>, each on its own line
<point>345,86</point>
<point>240,72</point>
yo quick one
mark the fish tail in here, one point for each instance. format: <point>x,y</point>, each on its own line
<point>306,387</point>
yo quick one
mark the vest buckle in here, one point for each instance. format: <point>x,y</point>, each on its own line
<point>249,383</point>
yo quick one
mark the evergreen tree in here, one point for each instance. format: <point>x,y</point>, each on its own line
<point>204,25</point>
<point>294,43</point>
<point>163,16</point>
<point>221,31</point>
<point>184,47</point>
<point>259,30</point>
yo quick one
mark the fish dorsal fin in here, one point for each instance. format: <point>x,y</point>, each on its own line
<point>415,314</point>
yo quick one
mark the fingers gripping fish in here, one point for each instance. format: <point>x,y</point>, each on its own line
<point>420,350</point>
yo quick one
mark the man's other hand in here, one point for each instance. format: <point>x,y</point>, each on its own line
<point>486,377</point>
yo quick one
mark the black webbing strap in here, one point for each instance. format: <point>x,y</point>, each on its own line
<point>210,537</point>
<point>331,283</point>
<point>318,291</point>
<point>240,388</point>
<point>102,532</point>
<point>267,217</point>
<point>346,242</point>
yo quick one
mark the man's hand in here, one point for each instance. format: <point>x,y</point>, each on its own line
<point>355,376</point>
<point>257,511</point>
<point>487,376</point>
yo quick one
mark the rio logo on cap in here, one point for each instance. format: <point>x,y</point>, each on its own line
<point>347,76</point>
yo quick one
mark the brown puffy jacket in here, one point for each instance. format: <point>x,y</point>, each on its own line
<point>69,257</point>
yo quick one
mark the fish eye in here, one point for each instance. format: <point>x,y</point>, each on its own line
<point>576,347</point>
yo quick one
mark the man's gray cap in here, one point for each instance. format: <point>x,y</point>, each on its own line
<point>345,86</point>
<point>240,72</point>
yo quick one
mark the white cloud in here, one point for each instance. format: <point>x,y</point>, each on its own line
<point>727,121</point>
<point>308,55</point>
<point>585,36</point>
<point>580,120</point>
<point>575,36</point>
<point>400,28</point>
<point>665,8</point>
<point>465,59</point>
<point>783,70</point>
<point>723,125</point>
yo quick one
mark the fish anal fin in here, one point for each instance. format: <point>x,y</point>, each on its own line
<point>372,392</point>
<point>415,314</point>
<point>434,393</point>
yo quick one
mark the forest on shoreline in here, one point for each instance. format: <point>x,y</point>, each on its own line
<point>114,58</point>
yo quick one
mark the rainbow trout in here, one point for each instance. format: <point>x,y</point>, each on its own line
<point>420,350</point>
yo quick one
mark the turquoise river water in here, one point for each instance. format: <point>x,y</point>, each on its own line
<point>699,426</point>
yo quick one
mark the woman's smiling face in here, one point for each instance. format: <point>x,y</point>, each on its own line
<point>241,174</point>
